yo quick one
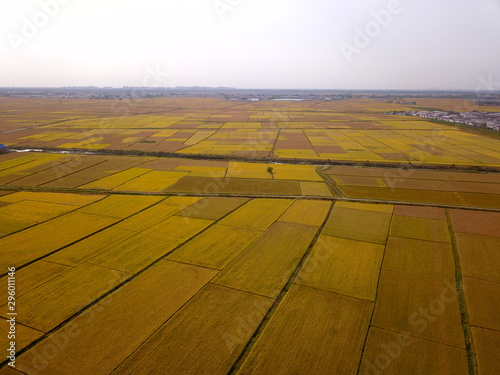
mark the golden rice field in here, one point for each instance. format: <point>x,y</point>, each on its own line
<point>261,286</point>
<point>182,263</point>
<point>346,130</point>
<point>156,175</point>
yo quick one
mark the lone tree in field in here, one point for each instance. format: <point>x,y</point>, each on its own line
<point>270,170</point>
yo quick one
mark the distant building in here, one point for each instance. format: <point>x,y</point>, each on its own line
<point>4,149</point>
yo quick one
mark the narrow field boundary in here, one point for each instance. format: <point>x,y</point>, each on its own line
<point>231,195</point>
<point>267,160</point>
<point>464,313</point>
<point>250,344</point>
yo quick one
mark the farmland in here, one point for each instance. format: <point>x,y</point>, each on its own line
<point>355,130</point>
<point>252,261</point>
<point>232,245</point>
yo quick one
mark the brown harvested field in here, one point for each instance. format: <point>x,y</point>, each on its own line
<point>313,332</point>
<point>479,256</point>
<point>343,266</point>
<point>254,186</point>
<point>420,258</point>
<point>483,303</point>
<point>265,266</point>
<point>434,213</point>
<point>361,225</point>
<point>423,307</point>
<point>74,177</point>
<point>383,208</point>
<point>225,321</point>
<point>479,223</point>
<point>393,353</point>
<point>493,178</point>
<point>57,173</point>
<point>191,184</point>
<point>410,185</point>
<point>420,196</point>
<point>487,343</point>
<point>458,186</point>
<point>421,229</point>
<point>358,181</point>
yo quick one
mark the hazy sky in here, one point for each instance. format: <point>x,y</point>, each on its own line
<point>322,44</point>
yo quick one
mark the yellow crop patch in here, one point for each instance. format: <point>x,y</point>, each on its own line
<point>258,214</point>
<point>116,179</point>
<point>58,198</point>
<point>306,212</point>
<point>146,247</point>
<point>315,189</point>
<point>266,265</point>
<point>120,205</point>
<point>215,247</point>
<point>154,181</point>
<point>53,302</point>
<point>343,266</point>
<point>32,243</point>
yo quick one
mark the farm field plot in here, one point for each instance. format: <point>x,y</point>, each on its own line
<point>200,252</point>
<point>216,265</point>
<point>264,267</point>
<point>155,175</point>
<point>486,341</point>
<point>258,214</point>
<point>42,307</point>
<point>415,355</point>
<point>144,248</point>
<point>219,312</point>
<point>100,346</point>
<point>19,215</point>
<point>359,224</point>
<point>216,247</point>
<point>343,266</point>
<point>356,130</point>
<point>420,186</point>
<point>39,240</point>
<point>308,324</point>
<point>397,308</point>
